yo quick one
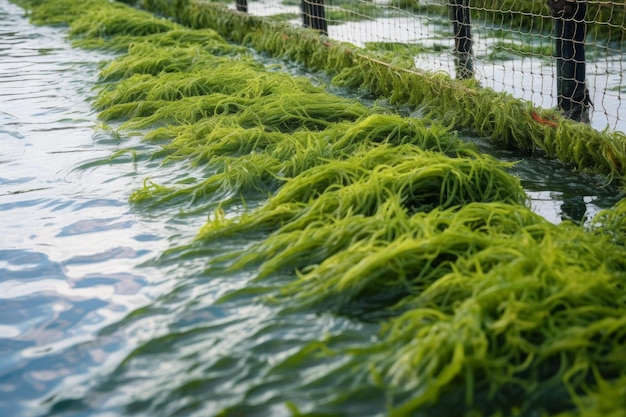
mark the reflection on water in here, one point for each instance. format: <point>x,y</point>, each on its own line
<point>70,246</point>
<point>527,78</point>
<point>94,321</point>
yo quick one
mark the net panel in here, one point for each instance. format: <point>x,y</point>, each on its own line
<point>512,45</point>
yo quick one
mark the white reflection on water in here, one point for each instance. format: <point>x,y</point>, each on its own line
<point>70,250</point>
<point>70,245</point>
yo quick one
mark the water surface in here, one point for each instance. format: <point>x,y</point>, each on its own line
<point>70,244</point>
<point>104,310</point>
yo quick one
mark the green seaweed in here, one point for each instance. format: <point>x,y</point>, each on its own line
<point>530,307</point>
<point>421,180</point>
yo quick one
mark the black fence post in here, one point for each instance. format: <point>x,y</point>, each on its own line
<point>460,16</point>
<point>242,5</point>
<point>570,30</point>
<point>313,15</point>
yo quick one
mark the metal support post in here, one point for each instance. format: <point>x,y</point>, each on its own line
<point>313,15</point>
<point>242,5</point>
<point>460,16</point>
<point>570,30</point>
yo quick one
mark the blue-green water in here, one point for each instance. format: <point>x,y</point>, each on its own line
<point>95,321</point>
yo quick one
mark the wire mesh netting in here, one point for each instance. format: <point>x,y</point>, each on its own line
<point>562,54</point>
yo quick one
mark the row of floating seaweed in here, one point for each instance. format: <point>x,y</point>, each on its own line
<point>463,104</point>
<point>486,308</point>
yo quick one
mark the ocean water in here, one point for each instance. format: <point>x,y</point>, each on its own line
<point>95,317</point>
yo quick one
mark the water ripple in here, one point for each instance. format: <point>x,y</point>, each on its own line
<point>71,248</point>
<point>26,264</point>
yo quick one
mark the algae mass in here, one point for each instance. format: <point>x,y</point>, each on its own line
<point>485,308</point>
<point>464,104</point>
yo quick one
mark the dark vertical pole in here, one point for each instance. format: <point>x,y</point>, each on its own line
<point>242,5</point>
<point>313,15</point>
<point>570,31</point>
<point>460,16</point>
<point>306,14</point>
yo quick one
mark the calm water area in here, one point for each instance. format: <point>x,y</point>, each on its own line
<point>98,316</point>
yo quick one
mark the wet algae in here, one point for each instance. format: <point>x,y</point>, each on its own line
<point>502,118</point>
<point>485,308</point>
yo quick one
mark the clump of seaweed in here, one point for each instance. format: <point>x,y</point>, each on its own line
<point>531,321</point>
<point>376,260</point>
<point>253,173</point>
<point>194,73</point>
<point>285,113</point>
<point>211,140</point>
<point>499,312</point>
<point>179,37</point>
<point>211,137</point>
<point>104,22</point>
<point>144,58</point>
<point>61,12</point>
<point>358,184</point>
<point>154,89</point>
<point>94,18</point>
<point>612,222</point>
<point>396,130</point>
